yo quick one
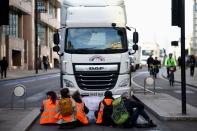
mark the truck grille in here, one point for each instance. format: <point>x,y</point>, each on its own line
<point>96,80</point>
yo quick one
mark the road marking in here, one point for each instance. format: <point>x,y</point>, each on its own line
<point>30,80</point>
<point>188,92</point>
<point>138,74</point>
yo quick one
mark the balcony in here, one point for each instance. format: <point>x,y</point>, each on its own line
<point>24,6</point>
<point>54,23</point>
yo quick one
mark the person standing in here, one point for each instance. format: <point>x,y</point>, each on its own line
<point>192,63</point>
<point>4,66</point>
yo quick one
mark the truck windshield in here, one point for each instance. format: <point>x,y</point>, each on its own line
<point>95,40</point>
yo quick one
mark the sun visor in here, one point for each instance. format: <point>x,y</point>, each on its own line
<point>93,2</point>
<point>85,16</point>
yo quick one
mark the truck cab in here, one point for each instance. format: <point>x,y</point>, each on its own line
<point>93,47</point>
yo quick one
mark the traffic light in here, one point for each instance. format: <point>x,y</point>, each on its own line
<point>174,43</point>
<point>176,12</point>
<point>4,12</point>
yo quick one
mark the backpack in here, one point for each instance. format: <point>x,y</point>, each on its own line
<point>65,107</point>
<point>107,113</point>
<point>120,113</point>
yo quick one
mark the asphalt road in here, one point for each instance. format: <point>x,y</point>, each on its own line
<point>36,88</point>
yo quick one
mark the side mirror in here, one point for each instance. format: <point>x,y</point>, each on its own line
<point>56,48</point>
<point>135,47</point>
<point>135,37</point>
<point>56,38</point>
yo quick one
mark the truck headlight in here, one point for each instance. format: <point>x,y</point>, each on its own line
<point>124,83</point>
<point>68,83</point>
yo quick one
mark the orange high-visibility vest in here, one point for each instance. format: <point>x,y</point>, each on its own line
<point>80,114</point>
<point>99,119</point>
<point>69,118</point>
<point>50,110</point>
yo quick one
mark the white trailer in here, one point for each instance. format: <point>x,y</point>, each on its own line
<point>93,46</point>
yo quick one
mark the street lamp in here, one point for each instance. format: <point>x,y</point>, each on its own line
<point>36,36</point>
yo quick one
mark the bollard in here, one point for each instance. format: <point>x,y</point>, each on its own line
<point>19,91</point>
<point>149,81</point>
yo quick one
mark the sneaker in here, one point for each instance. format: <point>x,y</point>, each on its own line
<point>151,124</point>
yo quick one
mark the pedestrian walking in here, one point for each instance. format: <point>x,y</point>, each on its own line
<point>45,61</point>
<point>179,62</point>
<point>4,66</point>
<point>192,64</point>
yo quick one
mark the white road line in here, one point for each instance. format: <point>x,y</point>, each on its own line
<point>138,74</point>
<point>30,80</point>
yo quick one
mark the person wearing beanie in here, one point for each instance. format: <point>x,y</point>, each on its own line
<point>104,112</point>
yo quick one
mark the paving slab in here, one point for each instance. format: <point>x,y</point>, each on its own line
<point>166,107</point>
<point>17,119</point>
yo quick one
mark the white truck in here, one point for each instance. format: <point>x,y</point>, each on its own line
<point>93,46</point>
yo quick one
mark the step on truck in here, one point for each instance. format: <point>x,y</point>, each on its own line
<point>93,48</point>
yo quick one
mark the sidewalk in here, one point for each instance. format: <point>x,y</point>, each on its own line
<point>166,107</point>
<point>20,119</point>
<point>28,73</point>
<point>190,80</point>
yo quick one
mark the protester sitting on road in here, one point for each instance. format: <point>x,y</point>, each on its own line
<point>103,115</point>
<point>67,110</point>
<point>49,109</point>
<point>135,110</point>
<point>81,110</point>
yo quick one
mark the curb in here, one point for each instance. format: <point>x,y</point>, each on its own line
<point>33,75</point>
<point>178,81</point>
<point>167,117</point>
<point>26,122</point>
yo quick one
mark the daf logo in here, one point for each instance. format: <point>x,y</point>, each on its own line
<point>96,68</point>
<point>96,58</point>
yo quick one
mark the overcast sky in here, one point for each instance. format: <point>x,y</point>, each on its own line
<point>152,19</point>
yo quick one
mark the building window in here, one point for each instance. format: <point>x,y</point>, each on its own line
<point>50,38</point>
<point>52,10</point>
<point>195,6</point>
<point>41,6</point>
<point>41,34</point>
<point>13,28</point>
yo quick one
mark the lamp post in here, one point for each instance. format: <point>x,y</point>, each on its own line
<point>36,36</point>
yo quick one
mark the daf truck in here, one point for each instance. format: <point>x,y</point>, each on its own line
<point>93,48</point>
